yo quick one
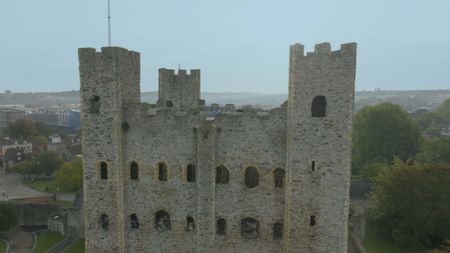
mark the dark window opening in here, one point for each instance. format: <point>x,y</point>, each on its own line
<point>103,170</point>
<point>162,171</point>
<point>190,173</point>
<point>313,166</point>
<point>312,220</point>
<point>319,105</point>
<point>134,171</point>
<point>94,104</point>
<point>169,104</point>
<point>277,230</point>
<point>249,228</point>
<point>104,221</point>
<point>222,175</point>
<point>134,221</point>
<point>279,177</point>
<point>221,226</point>
<point>162,221</point>
<point>251,177</point>
<point>190,223</point>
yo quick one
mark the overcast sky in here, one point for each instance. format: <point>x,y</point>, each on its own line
<point>240,45</point>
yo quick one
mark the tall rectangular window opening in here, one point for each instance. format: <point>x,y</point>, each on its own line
<point>162,171</point>
<point>319,106</point>
<point>190,173</point>
<point>134,171</point>
<point>103,170</point>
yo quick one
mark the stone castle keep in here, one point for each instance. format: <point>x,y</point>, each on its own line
<point>180,176</point>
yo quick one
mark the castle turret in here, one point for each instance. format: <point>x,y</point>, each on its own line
<point>320,108</point>
<point>109,79</point>
<point>179,91</point>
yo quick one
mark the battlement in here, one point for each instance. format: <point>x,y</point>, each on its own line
<point>181,76</point>
<point>112,54</point>
<point>323,49</point>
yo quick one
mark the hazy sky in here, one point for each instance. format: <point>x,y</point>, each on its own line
<point>240,45</point>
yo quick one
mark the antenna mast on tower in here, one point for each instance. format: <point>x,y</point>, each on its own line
<point>109,23</point>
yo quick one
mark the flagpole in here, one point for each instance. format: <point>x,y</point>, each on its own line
<point>109,23</point>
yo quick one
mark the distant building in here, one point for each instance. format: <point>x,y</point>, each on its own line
<point>9,115</point>
<point>14,151</point>
<point>57,117</point>
<point>55,139</point>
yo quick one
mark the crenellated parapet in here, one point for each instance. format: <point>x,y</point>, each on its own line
<point>323,49</point>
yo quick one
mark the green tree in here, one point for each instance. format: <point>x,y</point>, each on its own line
<point>24,167</point>
<point>424,120</point>
<point>443,112</point>
<point>22,129</point>
<point>411,203</point>
<point>370,170</point>
<point>8,216</point>
<point>26,129</point>
<point>69,177</point>
<point>47,162</point>
<point>434,150</point>
<point>381,132</point>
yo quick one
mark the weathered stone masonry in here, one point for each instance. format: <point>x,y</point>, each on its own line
<point>181,177</point>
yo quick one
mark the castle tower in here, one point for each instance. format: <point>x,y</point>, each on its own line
<point>109,79</point>
<point>320,108</point>
<point>179,91</point>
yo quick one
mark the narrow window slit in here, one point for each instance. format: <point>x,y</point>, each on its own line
<point>312,220</point>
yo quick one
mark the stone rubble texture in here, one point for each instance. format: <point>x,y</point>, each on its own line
<point>186,132</point>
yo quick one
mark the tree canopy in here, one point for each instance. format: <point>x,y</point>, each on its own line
<point>46,162</point>
<point>381,132</point>
<point>26,129</point>
<point>412,203</point>
<point>434,150</point>
<point>432,122</point>
<point>69,177</point>
<point>8,216</point>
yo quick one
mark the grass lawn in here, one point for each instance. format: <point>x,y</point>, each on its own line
<point>77,247</point>
<point>46,240</point>
<point>375,243</point>
<point>3,246</point>
<point>41,185</point>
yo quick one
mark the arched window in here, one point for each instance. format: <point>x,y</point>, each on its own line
<point>94,104</point>
<point>162,221</point>
<point>251,177</point>
<point>162,171</point>
<point>134,171</point>
<point>279,176</point>
<point>221,226</point>
<point>277,230</point>
<point>222,175</point>
<point>190,223</point>
<point>249,228</point>
<point>134,221</point>
<point>104,221</point>
<point>319,105</point>
<point>103,170</point>
<point>190,171</point>
<point>169,104</point>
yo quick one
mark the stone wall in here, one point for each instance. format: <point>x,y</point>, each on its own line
<point>147,151</point>
<point>33,214</point>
